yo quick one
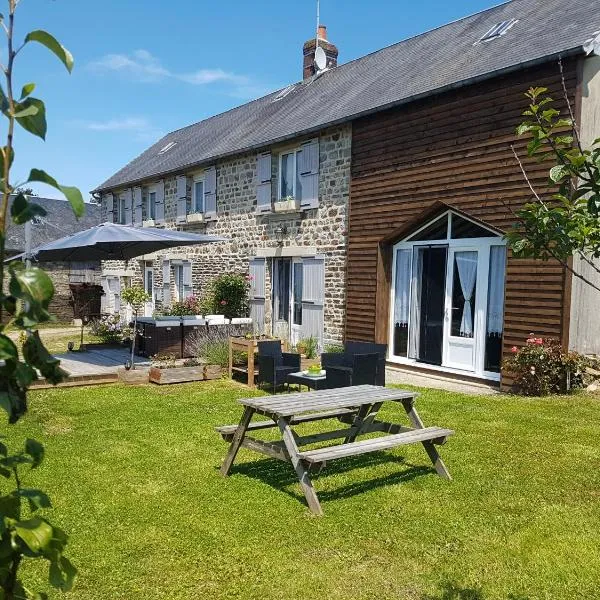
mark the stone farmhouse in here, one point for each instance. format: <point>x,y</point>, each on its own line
<point>369,200</point>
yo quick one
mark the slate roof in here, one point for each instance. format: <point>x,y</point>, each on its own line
<point>440,59</point>
<point>59,222</point>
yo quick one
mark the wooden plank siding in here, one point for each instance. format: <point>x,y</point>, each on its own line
<point>452,148</point>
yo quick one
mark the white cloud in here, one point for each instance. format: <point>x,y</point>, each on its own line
<point>141,127</point>
<point>145,67</point>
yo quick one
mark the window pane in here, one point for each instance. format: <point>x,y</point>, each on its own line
<point>298,285</point>
<point>438,230</point>
<point>495,310</point>
<point>283,290</point>
<point>149,285</point>
<point>298,178</point>
<point>463,294</point>
<point>287,176</point>
<point>401,301</point>
<point>122,211</point>
<point>198,197</point>
<point>462,228</point>
<point>152,205</point>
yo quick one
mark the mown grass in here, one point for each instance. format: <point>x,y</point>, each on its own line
<point>133,474</point>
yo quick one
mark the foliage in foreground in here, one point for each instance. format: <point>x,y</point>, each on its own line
<point>25,301</point>
<point>227,295</point>
<point>542,367</point>
<point>567,224</point>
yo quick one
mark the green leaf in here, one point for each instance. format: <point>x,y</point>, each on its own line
<point>44,38</point>
<point>8,349</point>
<point>9,506</point>
<point>3,152</point>
<point>37,356</point>
<point>523,128</point>
<point>14,402</point>
<point>22,211</point>
<point>4,104</point>
<point>35,533</point>
<point>27,90</point>
<point>24,374</point>
<point>62,574</point>
<point>559,172</point>
<point>25,111</point>
<point>36,123</point>
<point>36,451</point>
<point>31,284</point>
<point>36,498</point>
<point>72,194</point>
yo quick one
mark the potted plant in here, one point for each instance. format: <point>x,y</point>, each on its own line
<point>136,297</point>
<point>287,204</point>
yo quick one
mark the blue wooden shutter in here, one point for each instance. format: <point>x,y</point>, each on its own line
<point>263,183</point>
<point>313,297</point>
<point>181,199</point>
<point>137,206</point>
<point>210,192</point>
<point>308,169</point>
<point>166,277</point>
<point>257,294</point>
<point>187,279</point>
<point>128,199</point>
<point>110,208</point>
<point>160,202</point>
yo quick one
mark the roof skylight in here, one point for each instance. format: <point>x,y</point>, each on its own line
<point>497,30</point>
<point>167,147</point>
<point>284,92</point>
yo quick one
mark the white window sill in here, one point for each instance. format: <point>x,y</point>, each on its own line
<point>149,223</point>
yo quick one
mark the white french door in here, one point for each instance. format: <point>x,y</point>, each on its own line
<point>288,285</point>
<point>461,322</point>
<point>297,286</point>
<point>448,298</point>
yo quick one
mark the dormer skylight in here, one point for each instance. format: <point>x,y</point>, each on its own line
<point>166,148</point>
<point>497,30</point>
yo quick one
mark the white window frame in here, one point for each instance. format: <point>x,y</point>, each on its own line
<point>151,190</point>
<point>197,179</point>
<point>283,153</point>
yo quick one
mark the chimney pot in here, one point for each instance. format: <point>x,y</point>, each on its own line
<point>322,32</point>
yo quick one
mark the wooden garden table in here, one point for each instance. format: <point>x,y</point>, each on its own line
<point>356,407</point>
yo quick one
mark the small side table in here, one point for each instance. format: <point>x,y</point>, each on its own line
<point>315,383</point>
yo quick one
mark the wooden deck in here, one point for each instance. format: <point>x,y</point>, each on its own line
<point>97,361</point>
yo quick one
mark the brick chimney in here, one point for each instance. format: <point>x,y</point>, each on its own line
<point>331,52</point>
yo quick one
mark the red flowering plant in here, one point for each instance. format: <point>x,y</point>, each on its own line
<point>542,367</point>
<point>189,306</point>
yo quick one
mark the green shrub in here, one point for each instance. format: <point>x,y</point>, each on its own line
<point>334,349</point>
<point>541,367</point>
<point>309,347</point>
<point>227,295</point>
<point>109,329</point>
<point>189,306</point>
<point>217,353</point>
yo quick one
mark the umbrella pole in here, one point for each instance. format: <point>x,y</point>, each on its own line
<point>133,336</point>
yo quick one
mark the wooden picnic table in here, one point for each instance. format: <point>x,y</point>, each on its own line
<point>356,407</point>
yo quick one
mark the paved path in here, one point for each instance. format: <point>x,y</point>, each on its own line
<point>427,380</point>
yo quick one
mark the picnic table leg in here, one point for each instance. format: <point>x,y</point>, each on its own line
<point>434,455</point>
<point>366,415</point>
<point>236,442</point>
<point>305,483</point>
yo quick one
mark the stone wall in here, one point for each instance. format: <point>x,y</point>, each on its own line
<point>323,228</point>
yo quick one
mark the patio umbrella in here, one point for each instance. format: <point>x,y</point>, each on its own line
<point>111,241</point>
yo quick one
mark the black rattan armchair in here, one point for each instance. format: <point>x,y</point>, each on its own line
<point>345,361</point>
<point>274,365</point>
<point>362,371</point>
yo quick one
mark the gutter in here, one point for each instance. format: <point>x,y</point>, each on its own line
<point>591,46</point>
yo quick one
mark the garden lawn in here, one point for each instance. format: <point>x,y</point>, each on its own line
<point>133,475</point>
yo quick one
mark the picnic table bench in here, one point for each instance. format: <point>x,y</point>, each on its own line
<point>355,407</point>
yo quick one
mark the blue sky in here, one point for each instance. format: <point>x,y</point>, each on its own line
<point>146,67</point>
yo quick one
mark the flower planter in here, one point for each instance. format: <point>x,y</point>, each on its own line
<point>285,206</point>
<point>185,374</point>
<point>135,376</point>
<point>195,218</point>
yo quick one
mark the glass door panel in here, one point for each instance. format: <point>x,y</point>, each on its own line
<point>297,289</point>
<point>460,310</point>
